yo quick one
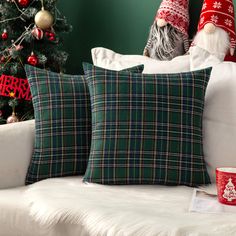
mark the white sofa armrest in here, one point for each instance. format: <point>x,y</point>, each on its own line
<point>16,147</point>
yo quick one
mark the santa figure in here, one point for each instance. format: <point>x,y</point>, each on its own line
<point>168,36</point>
<point>216,28</point>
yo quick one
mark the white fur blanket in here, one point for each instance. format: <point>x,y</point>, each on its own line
<point>123,210</point>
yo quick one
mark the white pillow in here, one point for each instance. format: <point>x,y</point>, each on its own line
<point>111,60</point>
<point>219,121</point>
<point>16,146</point>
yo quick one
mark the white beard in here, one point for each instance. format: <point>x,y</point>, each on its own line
<point>216,43</point>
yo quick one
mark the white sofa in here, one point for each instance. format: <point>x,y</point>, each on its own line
<point>67,206</point>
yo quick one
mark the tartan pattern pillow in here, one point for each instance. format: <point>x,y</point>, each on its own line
<point>147,129</point>
<point>63,124</point>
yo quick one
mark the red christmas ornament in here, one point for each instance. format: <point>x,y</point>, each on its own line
<point>50,35</point>
<point>2,59</point>
<point>33,59</point>
<point>23,3</point>
<point>37,33</point>
<point>5,35</point>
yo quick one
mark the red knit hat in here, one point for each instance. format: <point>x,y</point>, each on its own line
<point>176,13</point>
<point>221,14</point>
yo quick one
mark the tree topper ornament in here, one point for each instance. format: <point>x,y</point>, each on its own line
<point>168,35</point>
<point>216,28</point>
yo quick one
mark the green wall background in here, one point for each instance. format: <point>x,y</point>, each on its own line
<point>121,25</point>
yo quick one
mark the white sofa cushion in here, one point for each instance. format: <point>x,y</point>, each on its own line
<point>122,210</point>
<point>109,59</point>
<point>219,118</point>
<point>15,219</point>
<point>16,146</point>
<point>219,121</point>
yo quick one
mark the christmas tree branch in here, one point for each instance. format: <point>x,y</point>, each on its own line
<point>22,12</point>
<point>20,16</point>
<point>20,39</point>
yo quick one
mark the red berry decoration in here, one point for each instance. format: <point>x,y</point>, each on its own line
<point>33,59</point>
<point>4,35</point>
<point>23,3</point>
<point>52,38</point>
<point>50,35</point>
<point>37,33</point>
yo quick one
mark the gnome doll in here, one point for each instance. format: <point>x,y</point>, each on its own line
<point>216,28</point>
<point>168,35</point>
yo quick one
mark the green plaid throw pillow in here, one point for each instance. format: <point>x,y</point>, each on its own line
<point>147,129</point>
<point>63,124</point>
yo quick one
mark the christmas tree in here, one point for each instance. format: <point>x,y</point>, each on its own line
<point>230,192</point>
<point>30,33</point>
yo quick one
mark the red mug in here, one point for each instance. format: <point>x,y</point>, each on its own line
<point>226,185</point>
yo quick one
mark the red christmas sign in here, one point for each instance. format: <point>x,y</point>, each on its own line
<point>10,85</point>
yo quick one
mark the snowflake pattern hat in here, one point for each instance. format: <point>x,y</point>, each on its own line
<point>221,14</point>
<point>176,13</point>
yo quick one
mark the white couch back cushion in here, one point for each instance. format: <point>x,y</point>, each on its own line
<point>16,146</point>
<point>219,121</point>
<point>111,60</point>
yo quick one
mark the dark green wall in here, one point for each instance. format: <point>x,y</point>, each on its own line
<point>121,25</point>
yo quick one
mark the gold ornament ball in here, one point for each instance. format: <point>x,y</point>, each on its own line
<point>43,19</point>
